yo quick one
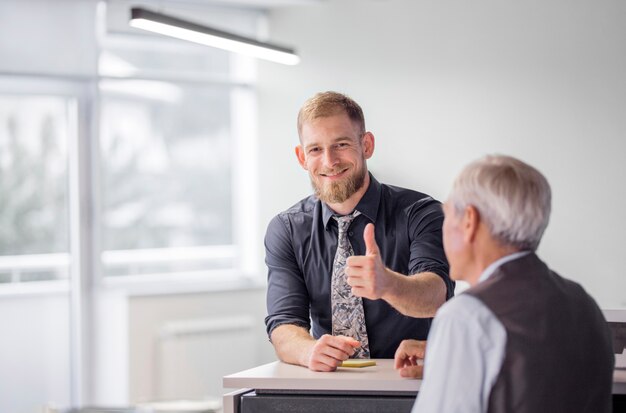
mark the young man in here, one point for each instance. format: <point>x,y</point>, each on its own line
<point>362,305</point>
<point>522,338</point>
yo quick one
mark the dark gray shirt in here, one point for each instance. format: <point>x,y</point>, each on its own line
<point>300,246</point>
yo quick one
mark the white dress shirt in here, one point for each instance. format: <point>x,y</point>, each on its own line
<point>464,355</point>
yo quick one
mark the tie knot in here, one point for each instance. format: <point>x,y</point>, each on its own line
<point>343,221</point>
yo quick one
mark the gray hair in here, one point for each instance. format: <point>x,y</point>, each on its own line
<point>512,197</point>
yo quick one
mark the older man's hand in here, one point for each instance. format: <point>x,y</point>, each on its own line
<point>409,358</point>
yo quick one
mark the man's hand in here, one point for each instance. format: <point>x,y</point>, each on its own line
<point>328,352</point>
<point>366,274</point>
<point>417,295</point>
<point>294,345</point>
<point>409,358</point>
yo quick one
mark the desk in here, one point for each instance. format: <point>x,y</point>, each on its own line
<point>283,387</point>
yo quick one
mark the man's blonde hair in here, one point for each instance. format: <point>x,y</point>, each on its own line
<point>512,197</point>
<point>330,103</point>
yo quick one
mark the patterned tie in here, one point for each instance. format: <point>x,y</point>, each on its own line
<point>348,314</point>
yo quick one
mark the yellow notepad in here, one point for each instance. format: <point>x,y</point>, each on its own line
<point>358,363</point>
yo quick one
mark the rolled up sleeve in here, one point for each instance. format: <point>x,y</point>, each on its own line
<point>427,253</point>
<point>287,294</point>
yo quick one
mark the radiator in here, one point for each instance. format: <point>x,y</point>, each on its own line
<point>193,355</point>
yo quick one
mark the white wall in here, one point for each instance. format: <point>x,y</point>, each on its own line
<point>38,37</point>
<point>34,352</point>
<point>181,345</point>
<point>444,82</point>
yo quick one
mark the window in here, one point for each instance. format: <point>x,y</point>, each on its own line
<point>167,144</point>
<point>134,171</point>
<point>34,230</point>
<point>38,129</point>
<point>166,177</point>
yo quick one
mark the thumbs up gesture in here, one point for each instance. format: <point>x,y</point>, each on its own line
<point>366,274</point>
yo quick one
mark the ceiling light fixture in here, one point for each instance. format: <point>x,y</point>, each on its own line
<point>197,33</point>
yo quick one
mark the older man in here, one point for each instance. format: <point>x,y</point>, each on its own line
<point>522,338</point>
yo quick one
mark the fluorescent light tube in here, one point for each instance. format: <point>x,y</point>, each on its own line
<point>194,32</point>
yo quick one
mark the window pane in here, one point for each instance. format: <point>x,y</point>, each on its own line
<point>166,176</point>
<point>34,180</point>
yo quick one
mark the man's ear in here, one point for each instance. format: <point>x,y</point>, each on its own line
<point>368,143</point>
<point>301,157</point>
<point>471,221</point>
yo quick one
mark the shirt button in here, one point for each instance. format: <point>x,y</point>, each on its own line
<point>351,233</point>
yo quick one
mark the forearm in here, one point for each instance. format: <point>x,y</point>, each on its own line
<point>418,295</point>
<point>292,344</point>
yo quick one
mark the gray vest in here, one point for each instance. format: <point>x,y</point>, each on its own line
<point>559,354</point>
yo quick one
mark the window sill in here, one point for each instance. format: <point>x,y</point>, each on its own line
<point>139,285</point>
<point>34,288</point>
<point>177,283</point>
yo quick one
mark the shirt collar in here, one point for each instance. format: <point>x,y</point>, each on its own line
<point>494,265</point>
<point>368,204</point>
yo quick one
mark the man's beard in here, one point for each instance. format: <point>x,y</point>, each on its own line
<point>340,191</point>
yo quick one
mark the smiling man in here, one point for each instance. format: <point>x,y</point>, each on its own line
<point>358,266</point>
